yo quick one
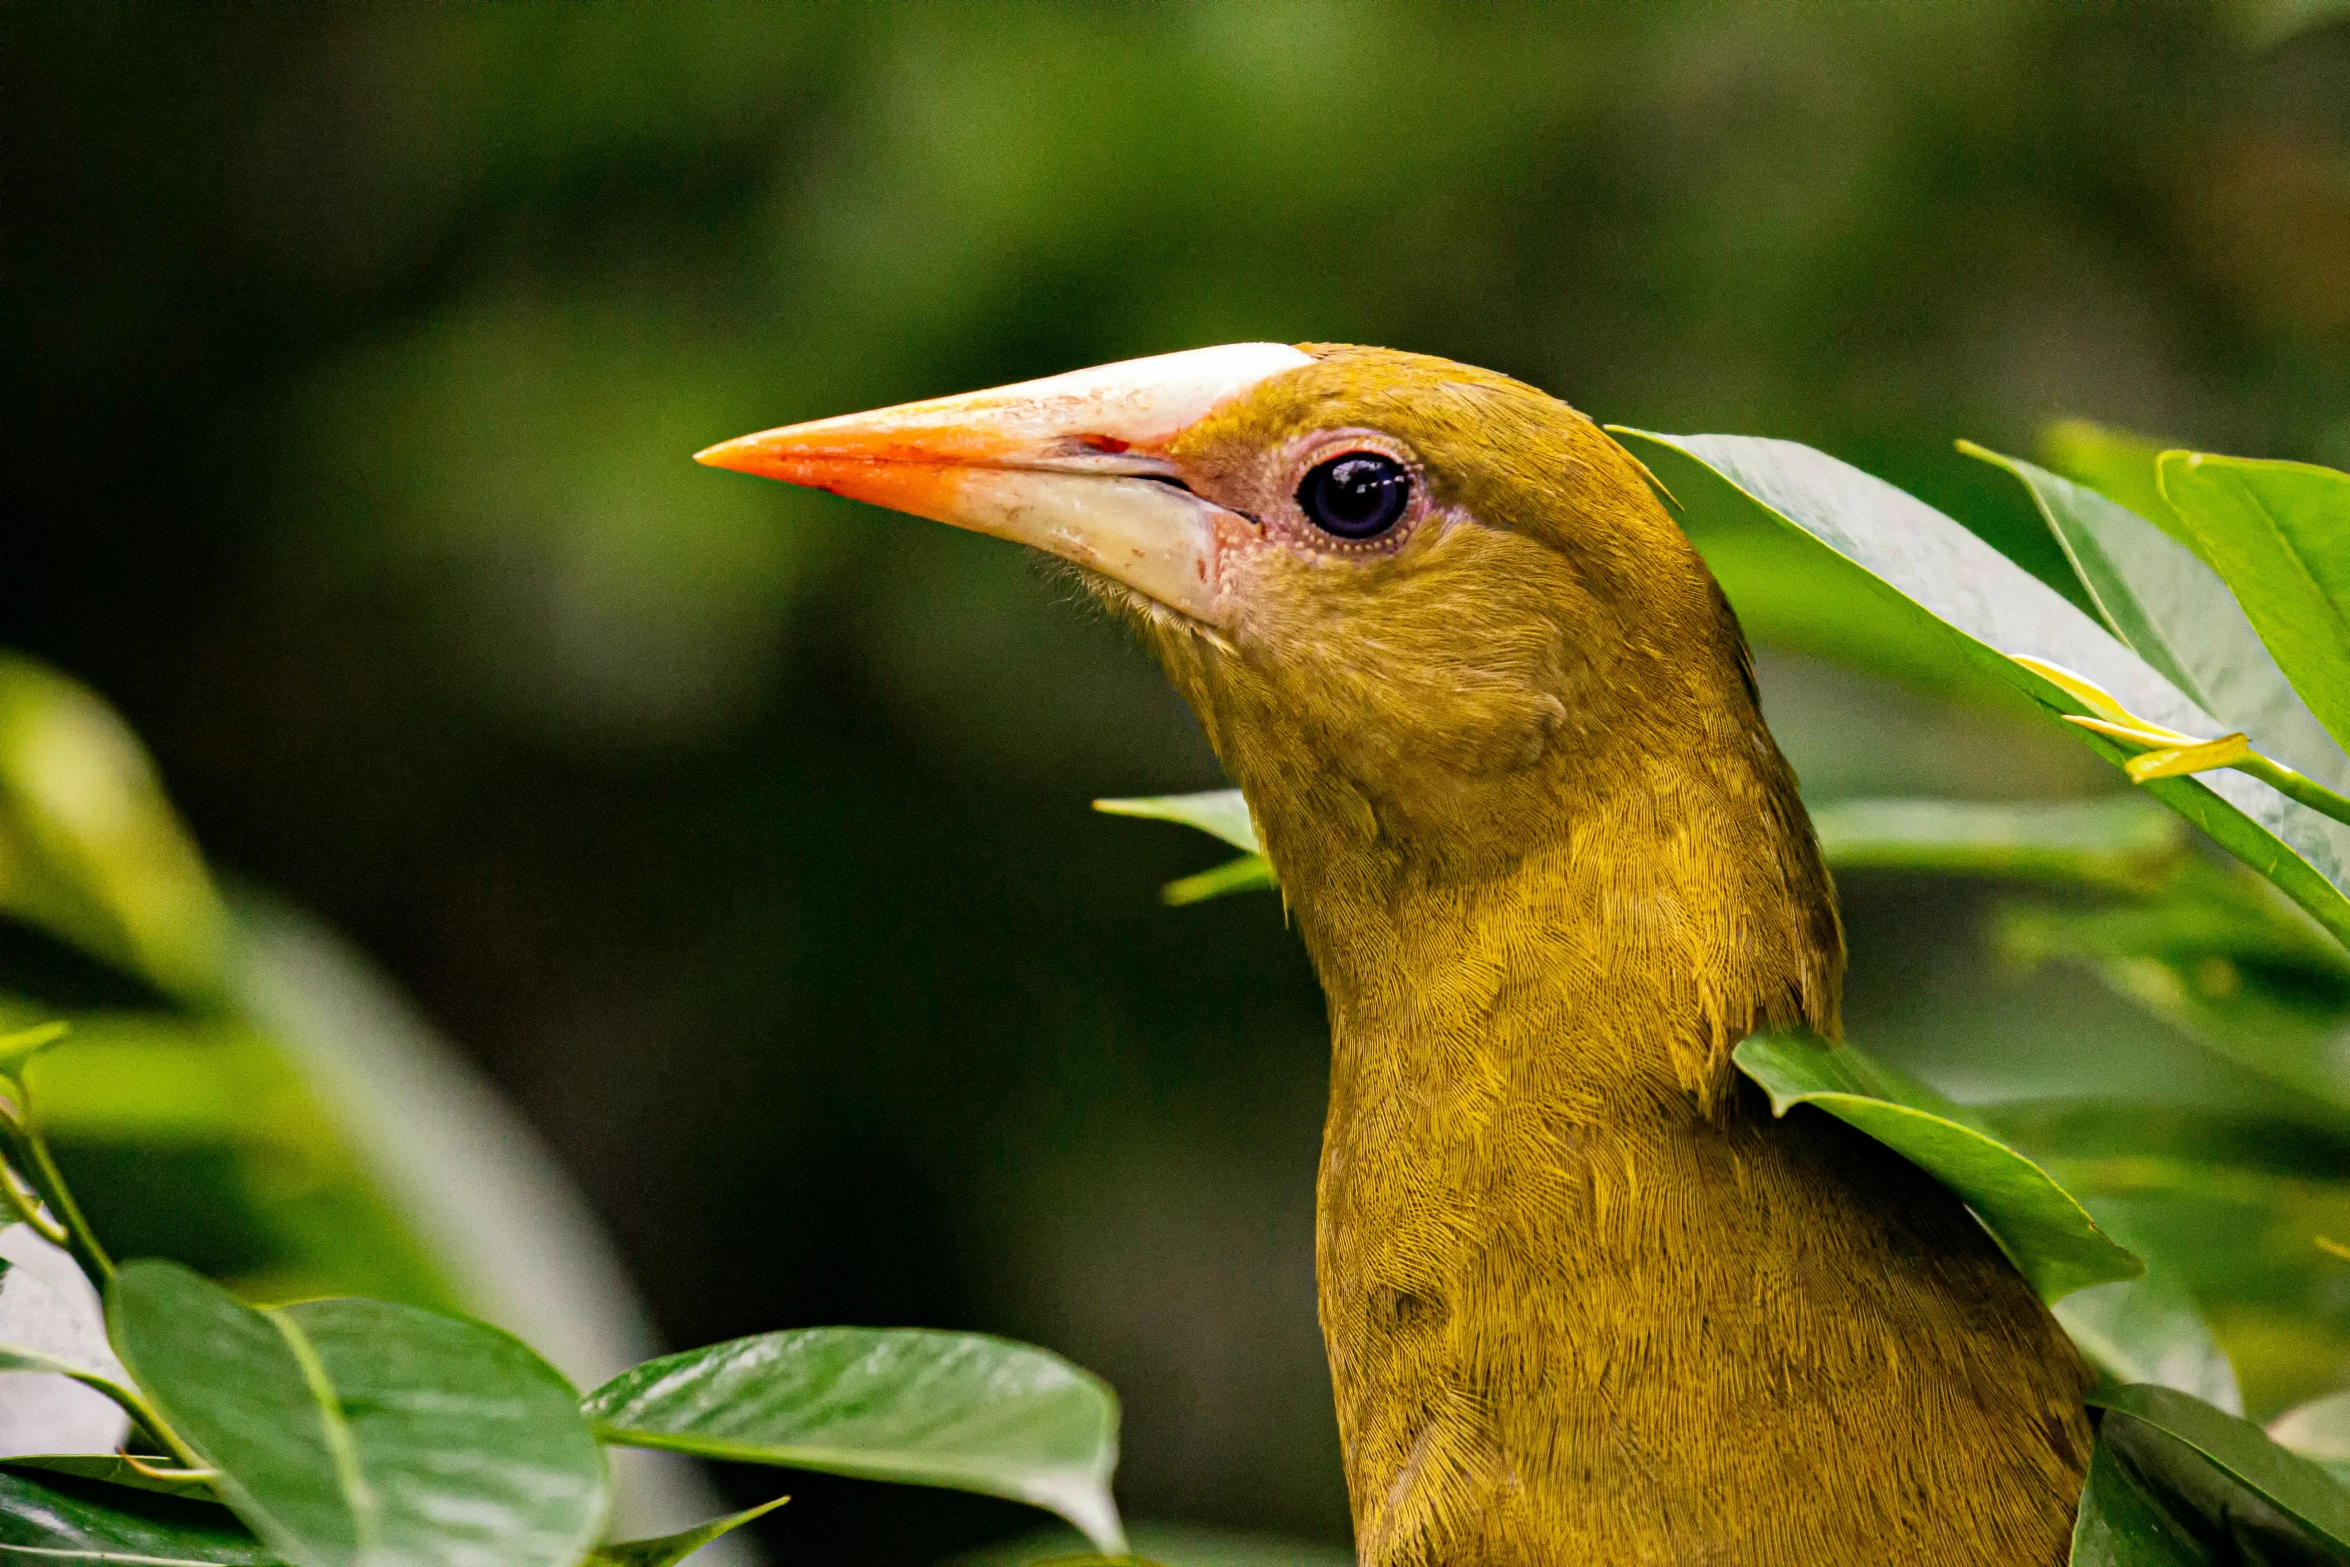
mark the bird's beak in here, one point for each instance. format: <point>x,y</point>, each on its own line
<point>1075,464</point>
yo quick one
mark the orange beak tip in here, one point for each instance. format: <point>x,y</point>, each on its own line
<point>1060,464</point>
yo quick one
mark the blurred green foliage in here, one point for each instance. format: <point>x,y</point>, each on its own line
<point>177,1104</point>
<point>360,351</point>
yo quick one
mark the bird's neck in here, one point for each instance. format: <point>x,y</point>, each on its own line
<point>1648,914</point>
<point>1534,1124</point>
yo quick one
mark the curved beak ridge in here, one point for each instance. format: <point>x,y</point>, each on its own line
<point>1074,464</point>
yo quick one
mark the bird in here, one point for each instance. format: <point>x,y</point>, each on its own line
<point>1585,1299</point>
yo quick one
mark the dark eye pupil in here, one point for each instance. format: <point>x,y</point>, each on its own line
<point>1358,496</point>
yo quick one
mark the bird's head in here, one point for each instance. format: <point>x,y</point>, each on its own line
<point>1416,605</point>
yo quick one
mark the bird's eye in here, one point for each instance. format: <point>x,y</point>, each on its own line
<point>1359,495</point>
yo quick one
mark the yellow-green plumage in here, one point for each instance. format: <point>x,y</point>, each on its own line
<point>1586,1300</point>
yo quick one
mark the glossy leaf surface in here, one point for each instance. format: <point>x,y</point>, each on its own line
<point>2279,533</point>
<point>1982,608</point>
<point>958,1410</point>
<point>2120,1525</point>
<point>113,1469</point>
<point>672,1548</point>
<point>2176,613</point>
<point>2049,1235</point>
<point>2242,1451</point>
<point>350,1433</point>
<point>2232,1524</point>
<point>1221,813</point>
<point>54,1518</point>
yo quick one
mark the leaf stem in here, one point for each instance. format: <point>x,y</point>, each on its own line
<point>156,1472</point>
<point>15,1357</point>
<point>27,1152</point>
<point>2296,787</point>
<point>2168,754</point>
<point>20,1199</point>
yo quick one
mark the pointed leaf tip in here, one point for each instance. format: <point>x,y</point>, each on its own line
<point>958,1410</point>
<point>669,1549</point>
<point>20,1047</point>
<point>347,1431</point>
<point>1221,813</point>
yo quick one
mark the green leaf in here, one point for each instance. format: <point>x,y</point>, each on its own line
<point>114,1469</point>
<point>1811,602</point>
<point>2241,1450</point>
<point>2176,613</point>
<point>62,1519</point>
<point>2243,1144</point>
<point>20,1047</point>
<point>2246,1243</point>
<point>1249,873</point>
<point>2279,532</point>
<point>2319,1431</point>
<point>2050,1236</point>
<point>672,1548</point>
<point>2120,1525</point>
<point>2125,843</point>
<point>2197,910</point>
<point>2149,1329</point>
<point>1984,608</point>
<point>2264,994</point>
<point>1221,813</point>
<point>958,1410</point>
<point>2118,465</point>
<point>351,1432</point>
<point>2231,1202</point>
<point>265,1173</point>
<point>2231,1522</point>
<point>89,847</point>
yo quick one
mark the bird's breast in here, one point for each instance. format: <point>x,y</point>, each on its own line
<point>1555,1338</point>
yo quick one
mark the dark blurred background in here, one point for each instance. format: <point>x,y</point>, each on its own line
<point>741,834</point>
